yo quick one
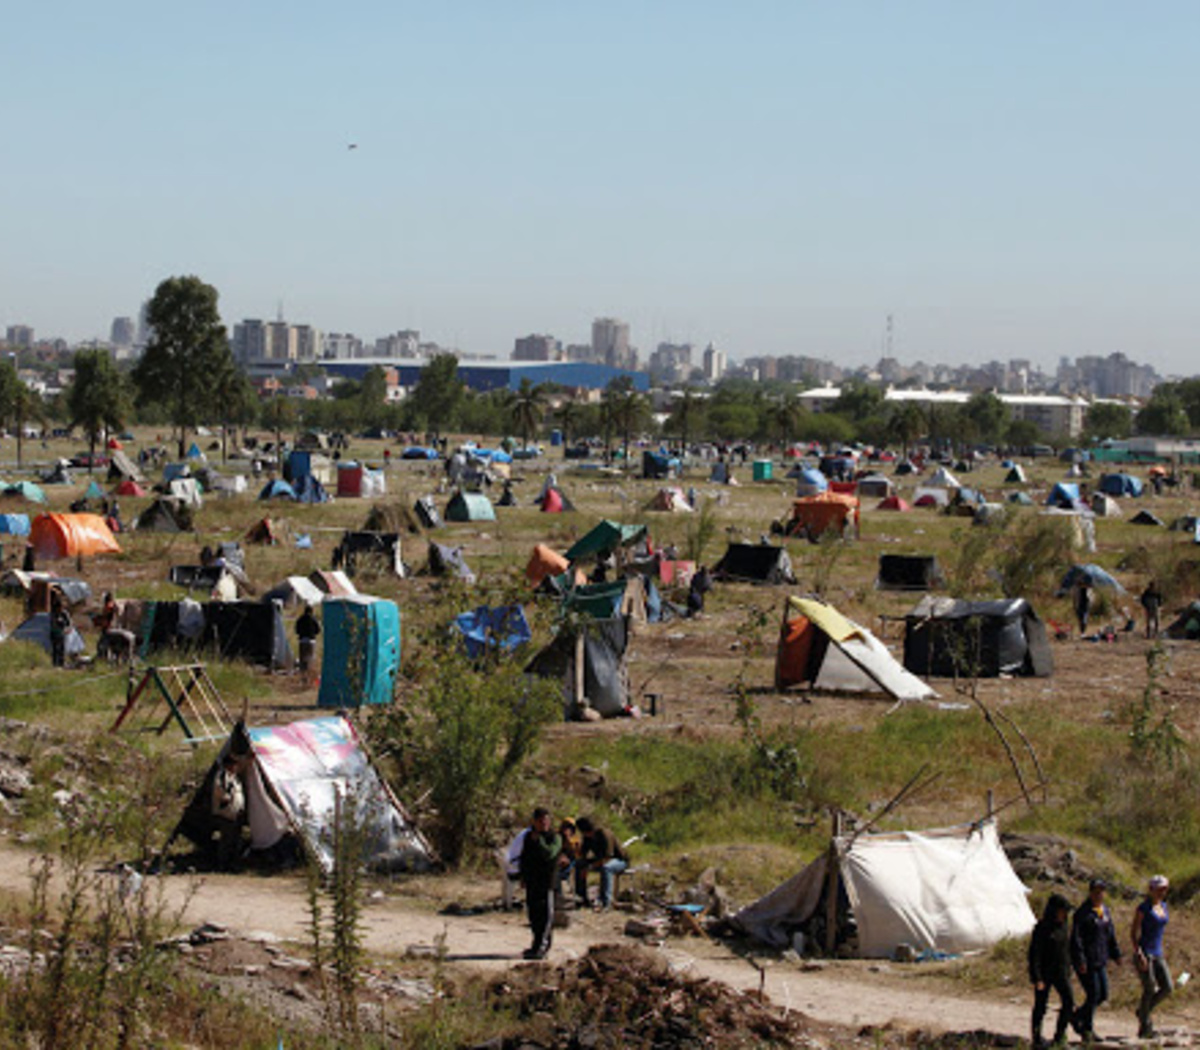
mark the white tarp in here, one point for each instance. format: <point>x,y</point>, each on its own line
<point>943,479</point>
<point>295,589</point>
<point>186,490</point>
<point>374,483</point>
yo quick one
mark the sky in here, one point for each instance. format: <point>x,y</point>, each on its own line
<point>1006,179</point>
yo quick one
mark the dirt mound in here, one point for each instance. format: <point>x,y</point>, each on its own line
<point>617,996</point>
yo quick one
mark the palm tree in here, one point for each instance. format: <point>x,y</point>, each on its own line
<point>905,424</point>
<point>526,407</point>
<point>567,416</point>
<point>625,410</point>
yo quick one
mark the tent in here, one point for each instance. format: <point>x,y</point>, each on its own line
<point>445,560</point>
<point>605,538</point>
<point>931,496</point>
<point>670,500</point>
<point>1064,494</point>
<point>194,451</point>
<point>356,480</point>
<point>262,532</point>
<point>952,637</point>
<point>544,562</point>
<point>26,490</point>
<point>503,627</point>
<point>630,596</point>
<point>1120,485</point>
<point>427,513</point>
<point>813,515</point>
<point>553,501</point>
<point>1105,506</point>
<point>721,474</point>
<point>905,467</point>
<point>821,647</point>
<point>310,490</point>
<point>37,630</point>
<point>14,524</point>
<point>1145,517</point>
<point>121,468</point>
<point>947,890</point>
<point>373,551</point>
<point>755,563</point>
<point>333,583</point>
<point>129,487</point>
<point>417,452</point>
<point>1015,475</point>
<point>277,489</point>
<point>1020,499</point>
<point>361,653</point>
<point>34,587</point>
<point>943,479</point>
<point>1187,626</point>
<point>909,572</point>
<point>295,590</point>
<point>810,482</point>
<point>591,661</point>
<point>71,536</point>
<point>294,777</point>
<point>227,485</point>
<point>470,506</point>
<point>93,491</point>
<point>892,503</point>
<point>659,465</point>
<point>1091,574</point>
<point>874,486</point>
<point>164,515</point>
<point>252,631</point>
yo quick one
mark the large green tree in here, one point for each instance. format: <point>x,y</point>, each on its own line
<point>96,399</point>
<point>988,414</point>
<point>1165,414</point>
<point>187,348</point>
<point>1108,420</point>
<point>19,404</point>
<point>439,392</point>
<point>526,408</point>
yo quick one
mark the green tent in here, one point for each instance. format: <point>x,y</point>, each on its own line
<point>470,506</point>
<point>93,491</point>
<point>606,538</point>
<point>27,490</point>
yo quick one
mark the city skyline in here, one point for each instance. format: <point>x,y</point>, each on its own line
<point>1005,181</point>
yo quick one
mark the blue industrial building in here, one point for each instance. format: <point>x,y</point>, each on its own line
<point>497,375</point>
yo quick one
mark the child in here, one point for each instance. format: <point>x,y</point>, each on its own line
<point>1050,968</point>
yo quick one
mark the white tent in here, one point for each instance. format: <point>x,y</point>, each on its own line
<point>946,890</point>
<point>942,478</point>
<point>186,490</point>
<point>228,484</point>
<point>1105,506</point>
<point>820,646</point>
<point>940,496</point>
<point>294,590</point>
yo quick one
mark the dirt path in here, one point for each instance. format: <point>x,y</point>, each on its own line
<point>850,993</point>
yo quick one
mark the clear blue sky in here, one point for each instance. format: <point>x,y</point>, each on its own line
<point>1007,179</point>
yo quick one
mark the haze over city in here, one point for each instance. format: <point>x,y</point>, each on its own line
<point>1006,180</point>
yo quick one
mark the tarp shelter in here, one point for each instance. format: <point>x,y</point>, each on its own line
<point>954,638</point>
<point>1020,499</point>
<point>503,627</point>
<point>720,474</point>
<point>1064,494</point>
<point>543,562</point>
<point>874,486</point>
<point>14,524</point>
<point>294,779</point>
<point>1121,485</point>
<point>427,513</point>
<point>931,496</point>
<point>820,647</point>
<point>1015,475</point>
<point>948,890</point>
<point>373,551</point>
<point>1091,574</point>
<point>658,465</point>
<point>470,506</point>
<point>630,596</point>
<point>333,583</point>
<point>892,503</point>
<point>605,538</point>
<point>252,631</point>
<point>909,572</point>
<point>1105,506</point>
<point>25,490</point>
<point>129,487</point>
<point>295,590</point>
<point>445,560</point>
<point>164,515</point>
<point>357,480</point>
<point>813,515</point>
<point>1146,517</point>
<point>591,663</point>
<point>361,651</point>
<point>277,489</point>
<point>121,467</point>
<point>553,501</point>
<point>810,482</point>
<point>671,500</point>
<point>71,536</point>
<point>418,452</point>
<point>173,471</point>
<point>227,484</point>
<point>943,479</point>
<point>755,563</point>
<point>37,630</point>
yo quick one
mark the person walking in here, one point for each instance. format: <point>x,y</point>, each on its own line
<point>307,630</point>
<point>539,873</point>
<point>1083,605</point>
<point>1093,945</point>
<point>1149,922</point>
<point>1152,600</point>
<point>1050,969</point>
<point>60,626</point>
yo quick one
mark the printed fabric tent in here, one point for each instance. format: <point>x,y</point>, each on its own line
<point>71,535</point>
<point>671,500</point>
<point>820,647</point>
<point>544,562</point>
<point>605,538</point>
<point>361,652</point>
<point>503,627</point>
<point>909,572</point>
<point>277,489</point>
<point>755,563</point>
<point>949,637</point>
<point>813,515</point>
<point>470,506</point>
<point>1121,485</point>
<point>591,661</point>
<point>944,890</point>
<point>293,777</point>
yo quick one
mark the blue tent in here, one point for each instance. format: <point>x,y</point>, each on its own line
<point>1065,494</point>
<point>299,465</point>
<point>1093,575</point>
<point>503,627</point>
<point>417,452</point>
<point>277,489</point>
<point>27,490</point>
<point>194,452</point>
<point>172,471</point>
<point>309,490</point>
<point>658,465</point>
<point>1120,485</point>
<point>361,652</point>
<point>810,482</point>
<point>93,491</point>
<point>14,524</point>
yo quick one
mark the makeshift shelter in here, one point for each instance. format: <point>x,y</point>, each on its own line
<point>1121,485</point>
<point>630,596</point>
<point>1015,475</point>
<point>310,490</point>
<point>361,651</point>
<point>721,474</point>
<point>606,538</point>
<point>427,513</point>
<point>658,465</point>
<point>554,501</point>
<point>909,572</point>
<point>262,532</point>
<point>1074,471</point>
<point>503,628</point>
<point>812,516</point>
<point>948,890</point>
<point>1064,494</point>
<point>356,480</point>
<point>943,479</point>
<point>1092,575</point>
<point>295,590</point>
<point>122,468</point>
<point>14,524</point>
<point>755,563</point>
<point>277,489</point>
<point>810,482</point>
<point>332,583</point>
<point>371,551</point>
<point>25,490</point>
<point>544,562</point>
<point>129,487</point>
<point>893,503</point>
<point>820,647</point>
<point>164,515</point>
<point>37,630</point>
<point>929,496</point>
<point>1105,506</point>
<point>227,485</point>
<point>71,536</point>
<point>672,500</point>
<point>1146,517</point>
<point>251,631</point>
<point>445,560</point>
<point>874,486</point>
<point>1020,499</point>
<point>294,778</point>
<point>591,661</point>
<point>470,506</point>
<point>1187,626</point>
<point>951,637</point>
<point>418,452</point>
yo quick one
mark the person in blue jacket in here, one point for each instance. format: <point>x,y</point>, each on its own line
<point>1093,946</point>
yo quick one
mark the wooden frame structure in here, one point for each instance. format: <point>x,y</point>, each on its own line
<point>191,700</point>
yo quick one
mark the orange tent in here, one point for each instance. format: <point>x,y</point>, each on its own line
<point>71,535</point>
<point>812,515</point>
<point>115,445</point>
<point>544,562</point>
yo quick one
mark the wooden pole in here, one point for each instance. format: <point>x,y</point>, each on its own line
<point>832,879</point>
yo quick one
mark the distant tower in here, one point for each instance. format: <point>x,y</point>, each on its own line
<point>888,332</point>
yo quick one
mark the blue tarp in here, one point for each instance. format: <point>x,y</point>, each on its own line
<point>658,465</point>
<point>14,524</point>
<point>503,627</point>
<point>492,455</point>
<point>1065,494</point>
<point>1121,485</point>
<point>1093,575</point>
<point>417,452</point>
<point>278,489</point>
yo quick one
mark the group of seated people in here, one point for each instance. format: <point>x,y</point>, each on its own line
<point>586,847</point>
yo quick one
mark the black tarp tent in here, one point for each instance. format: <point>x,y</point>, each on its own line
<point>953,637</point>
<point>755,563</point>
<point>909,572</point>
<point>603,675</point>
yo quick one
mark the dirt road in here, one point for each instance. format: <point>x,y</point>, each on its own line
<point>845,993</point>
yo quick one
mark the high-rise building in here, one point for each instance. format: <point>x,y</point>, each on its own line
<point>310,343</point>
<point>537,348</point>
<point>19,336</point>
<point>123,332</point>
<point>714,363</point>
<point>610,342</point>
<point>672,362</point>
<point>249,341</point>
<point>341,346</point>
<point>281,341</point>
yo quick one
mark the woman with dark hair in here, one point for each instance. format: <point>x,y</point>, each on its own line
<point>1050,968</point>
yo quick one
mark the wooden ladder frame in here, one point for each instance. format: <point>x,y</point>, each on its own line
<point>190,697</point>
